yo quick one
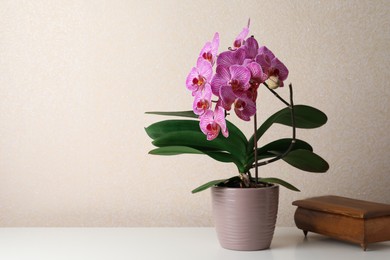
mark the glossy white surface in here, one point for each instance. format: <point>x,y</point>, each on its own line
<point>168,243</point>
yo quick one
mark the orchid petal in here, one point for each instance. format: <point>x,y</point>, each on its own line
<point>227,96</point>
<point>242,74</point>
<point>221,78</point>
<point>199,76</point>
<point>208,125</point>
<point>228,58</point>
<point>244,108</point>
<point>206,53</point>
<point>241,37</point>
<point>205,120</point>
<point>202,101</point>
<point>267,52</point>
<point>206,48</point>
<point>190,78</point>
<point>251,47</point>
<point>243,34</point>
<point>204,68</point>
<point>282,69</point>
<point>264,62</point>
<point>257,73</point>
<point>219,117</point>
<point>210,50</point>
<point>215,44</point>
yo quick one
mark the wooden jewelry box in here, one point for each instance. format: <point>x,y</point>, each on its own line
<point>347,219</point>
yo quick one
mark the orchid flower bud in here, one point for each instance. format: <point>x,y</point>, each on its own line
<point>273,82</point>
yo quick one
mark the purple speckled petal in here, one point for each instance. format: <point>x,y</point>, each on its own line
<point>219,117</point>
<point>242,74</point>
<point>215,44</point>
<point>228,58</point>
<point>206,48</point>
<point>283,71</point>
<point>212,122</point>
<point>264,62</point>
<point>189,81</point>
<point>210,50</point>
<point>241,37</point>
<point>267,52</point>
<point>205,69</point>
<point>244,108</point>
<point>202,101</point>
<point>257,73</point>
<point>251,48</point>
<point>243,34</point>
<point>221,78</point>
<point>205,120</point>
<point>227,96</point>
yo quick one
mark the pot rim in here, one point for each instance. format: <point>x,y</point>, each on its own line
<point>273,186</point>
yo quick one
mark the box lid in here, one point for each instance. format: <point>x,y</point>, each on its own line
<point>345,206</point>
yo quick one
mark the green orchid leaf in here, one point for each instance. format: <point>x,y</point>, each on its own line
<point>306,160</point>
<point>188,113</point>
<point>208,185</point>
<point>227,158</point>
<point>276,147</point>
<point>216,155</point>
<point>175,150</point>
<point>281,182</point>
<point>283,144</point>
<point>173,137</point>
<point>197,140</point>
<point>305,117</point>
<point>231,182</point>
<point>222,156</point>
<point>231,127</point>
<point>161,128</point>
<point>234,130</point>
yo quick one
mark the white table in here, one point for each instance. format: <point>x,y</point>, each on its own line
<point>169,243</point>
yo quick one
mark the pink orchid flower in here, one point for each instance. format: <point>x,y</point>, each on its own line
<point>238,75</point>
<point>244,108</point>
<point>211,123</point>
<point>257,74</point>
<point>199,76</point>
<point>210,49</point>
<point>276,71</point>
<point>229,83</point>
<point>202,101</point>
<point>257,77</point>
<point>239,41</point>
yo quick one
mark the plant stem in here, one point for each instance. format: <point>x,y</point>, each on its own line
<point>277,95</point>
<point>255,147</point>
<point>280,156</point>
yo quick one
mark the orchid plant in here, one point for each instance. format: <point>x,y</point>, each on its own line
<point>239,72</point>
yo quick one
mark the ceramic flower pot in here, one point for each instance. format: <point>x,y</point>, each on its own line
<point>245,218</point>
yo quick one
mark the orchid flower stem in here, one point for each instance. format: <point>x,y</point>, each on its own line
<point>293,139</point>
<point>277,95</point>
<point>255,147</point>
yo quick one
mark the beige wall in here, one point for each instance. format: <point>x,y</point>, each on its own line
<point>77,76</point>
